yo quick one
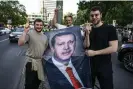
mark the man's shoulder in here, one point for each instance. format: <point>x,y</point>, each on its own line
<point>30,32</point>
<point>45,35</point>
<point>78,58</point>
<point>60,26</point>
<point>49,60</point>
<point>108,26</point>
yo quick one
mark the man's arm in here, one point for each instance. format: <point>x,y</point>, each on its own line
<point>54,21</point>
<point>86,40</point>
<point>113,45</point>
<point>24,37</point>
<point>21,40</point>
<point>87,30</point>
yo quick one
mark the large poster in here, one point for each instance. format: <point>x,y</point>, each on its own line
<point>65,64</point>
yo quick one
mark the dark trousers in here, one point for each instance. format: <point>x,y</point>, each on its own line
<point>31,81</point>
<point>104,75</point>
<point>124,39</point>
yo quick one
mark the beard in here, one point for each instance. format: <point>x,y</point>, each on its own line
<point>96,23</point>
<point>37,30</point>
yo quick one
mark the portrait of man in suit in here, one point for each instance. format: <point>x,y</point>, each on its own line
<point>65,71</point>
<point>63,46</point>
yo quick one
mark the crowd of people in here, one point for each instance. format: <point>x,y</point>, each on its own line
<point>100,40</point>
<point>126,35</point>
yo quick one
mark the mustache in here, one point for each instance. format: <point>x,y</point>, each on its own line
<point>38,31</point>
<point>38,28</point>
<point>68,51</point>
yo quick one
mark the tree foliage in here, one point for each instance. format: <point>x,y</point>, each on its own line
<point>121,11</point>
<point>12,10</point>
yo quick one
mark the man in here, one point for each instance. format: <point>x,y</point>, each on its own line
<point>103,42</point>
<point>125,36</point>
<point>68,21</point>
<point>37,44</point>
<point>64,70</point>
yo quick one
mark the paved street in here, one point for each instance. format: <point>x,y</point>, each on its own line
<point>12,61</point>
<point>122,78</point>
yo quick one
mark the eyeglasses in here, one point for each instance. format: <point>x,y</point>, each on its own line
<point>92,15</point>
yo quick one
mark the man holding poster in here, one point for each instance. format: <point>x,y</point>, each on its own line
<point>37,43</point>
<point>101,41</point>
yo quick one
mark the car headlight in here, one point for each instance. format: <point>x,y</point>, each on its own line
<point>11,35</point>
<point>123,45</point>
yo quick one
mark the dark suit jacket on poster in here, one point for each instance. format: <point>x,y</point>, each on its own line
<point>56,78</point>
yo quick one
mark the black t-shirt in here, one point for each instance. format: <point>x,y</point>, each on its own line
<point>99,39</point>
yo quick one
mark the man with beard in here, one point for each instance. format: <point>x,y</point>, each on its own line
<point>64,70</point>
<point>101,39</point>
<point>37,44</point>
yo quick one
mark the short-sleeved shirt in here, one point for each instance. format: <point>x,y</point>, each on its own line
<point>37,43</point>
<point>99,39</point>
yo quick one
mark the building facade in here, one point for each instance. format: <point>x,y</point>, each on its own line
<point>49,7</point>
<point>34,16</point>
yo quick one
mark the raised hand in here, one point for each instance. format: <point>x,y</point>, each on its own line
<point>56,11</point>
<point>27,26</point>
<point>88,27</point>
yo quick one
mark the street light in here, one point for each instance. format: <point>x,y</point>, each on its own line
<point>48,15</point>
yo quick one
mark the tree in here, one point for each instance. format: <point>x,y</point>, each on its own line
<point>121,11</point>
<point>81,17</point>
<point>13,10</point>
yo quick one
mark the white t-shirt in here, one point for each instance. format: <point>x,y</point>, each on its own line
<point>59,26</point>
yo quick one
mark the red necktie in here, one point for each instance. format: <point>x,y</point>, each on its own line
<point>75,82</point>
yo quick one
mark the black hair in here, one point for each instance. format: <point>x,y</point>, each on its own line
<point>61,34</point>
<point>95,8</point>
<point>38,20</point>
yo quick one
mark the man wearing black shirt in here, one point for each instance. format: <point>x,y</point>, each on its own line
<point>102,41</point>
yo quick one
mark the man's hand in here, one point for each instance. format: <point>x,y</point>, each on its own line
<point>90,53</point>
<point>88,28</point>
<point>22,38</point>
<point>56,11</point>
<point>27,27</point>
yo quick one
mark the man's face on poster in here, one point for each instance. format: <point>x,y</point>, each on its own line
<point>64,46</point>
